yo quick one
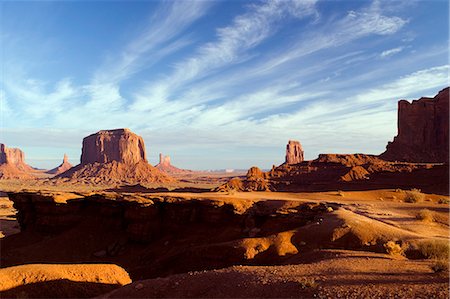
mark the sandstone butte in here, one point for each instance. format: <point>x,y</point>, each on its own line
<point>423,129</point>
<point>113,156</point>
<point>165,166</point>
<point>64,166</point>
<point>294,152</point>
<point>12,164</point>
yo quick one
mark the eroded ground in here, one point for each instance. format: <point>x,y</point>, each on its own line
<point>263,244</point>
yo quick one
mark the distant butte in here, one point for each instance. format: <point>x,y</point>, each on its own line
<point>64,166</point>
<point>114,156</point>
<point>165,166</point>
<point>423,129</point>
<point>294,152</point>
<point>12,164</point>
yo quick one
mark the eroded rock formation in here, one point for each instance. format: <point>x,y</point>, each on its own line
<point>423,130</point>
<point>12,164</point>
<point>294,152</point>
<point>114,156</point>
<point>120,145</point>
<point>165,166</point>
<point>64,166</point>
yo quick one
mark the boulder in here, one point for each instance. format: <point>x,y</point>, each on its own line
<point>294,152</point>
<point>423,129</point>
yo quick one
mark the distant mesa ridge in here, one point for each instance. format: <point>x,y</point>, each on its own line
<point>423,131</point>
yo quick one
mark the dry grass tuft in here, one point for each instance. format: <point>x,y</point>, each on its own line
<point>426,215</point>
<point>307,283</point>
<point>443,200</point>
<point>435,249</point>
<point>393,248</point>
<point>340,193</point>
<point>440,266</point>
<point>414,195</point>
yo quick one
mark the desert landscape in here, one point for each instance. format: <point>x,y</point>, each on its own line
<point>224,149</point>
<point>339,226</point>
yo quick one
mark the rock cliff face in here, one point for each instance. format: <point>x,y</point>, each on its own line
<point>64,166</point>
<point>114,156</point>
<point>423,129</point>
<point>294,152</point>
<point>12,164</point>
<point>120,145</point>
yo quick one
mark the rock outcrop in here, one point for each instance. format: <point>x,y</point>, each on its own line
<point>165,166</point>
<point>120,145</point>
<point>12,164</point>
<point>423,131</point>
<point>64,166</point>
<point>114,156</point>
<point>255,180</point>
<point>294,152</point>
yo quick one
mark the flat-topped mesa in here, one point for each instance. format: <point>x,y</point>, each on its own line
<point>12,164</point>
<point>423,130</point>
<point>11,155</point>
<point>114,156</point>
<point>119,145</point>
<point>294,152</point>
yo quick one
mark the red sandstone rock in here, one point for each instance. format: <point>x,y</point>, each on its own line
<point>294,152</point>
<point>64,166</point>
<point>12,164</point>
<point>423,129</point>
<point>165,166</point>
<point>119,145</point>
<point>114,156</point>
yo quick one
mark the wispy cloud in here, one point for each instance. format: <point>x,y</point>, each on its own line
<point>391,52</point>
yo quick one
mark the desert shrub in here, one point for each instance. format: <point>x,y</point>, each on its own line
<point>393,248</point>
<point>444,201</point>
<point>440,266</point>
<point>426,215</point>
<point>414,195</point>
<point>308,282</point>
<point>340,193</point>
<point>398,190</point>
<point>434,249</point>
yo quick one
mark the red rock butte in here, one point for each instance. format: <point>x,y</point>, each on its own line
<point>423,129</point>
<point>112,156</point>
<point>294,152</point>
<point>12,163</point>
<point>64,166</point>
<point>119,145</point>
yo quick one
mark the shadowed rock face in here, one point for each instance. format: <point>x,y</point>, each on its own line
<point>119,145</point>
<point>423,129</point>
<point>294,152</point>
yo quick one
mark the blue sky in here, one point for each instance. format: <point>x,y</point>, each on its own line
<point>216,84</point>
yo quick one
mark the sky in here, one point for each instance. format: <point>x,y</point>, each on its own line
<point>216,84</point>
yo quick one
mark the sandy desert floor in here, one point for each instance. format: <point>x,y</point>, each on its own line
<point>319,273</point>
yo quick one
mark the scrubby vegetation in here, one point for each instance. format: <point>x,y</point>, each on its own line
<point>393,248</point>
<point>426,215</point>
<point>444,201</point>
<point>414,195</point>
<point>435,249</point>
